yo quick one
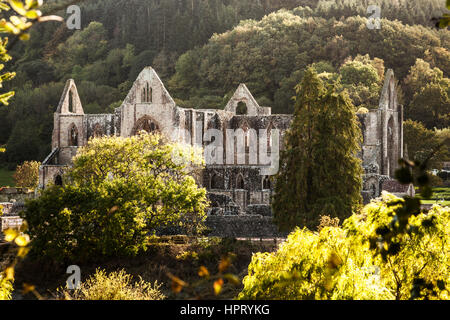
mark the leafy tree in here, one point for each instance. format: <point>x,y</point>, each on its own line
<point>27,175</point>
<point>337,263</point>
<point>320,151</point>
<point>427,92</point>
<point>119,191</point>
<point>431,105</point>
<point>421,143</point>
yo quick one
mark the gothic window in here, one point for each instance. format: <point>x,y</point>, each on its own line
<point>73,136</point>
<point>215,182</point>
<point>269,137</point>
<point>58,180</point>
<point>147,93</point>
<point>391,147</point>
<point>98,131</point>
<point>373,190</point>
<point>240,182</point>
<point>145,124</point>
<point>266,183</point>
<point>241,108</point>
<point>71,107</point>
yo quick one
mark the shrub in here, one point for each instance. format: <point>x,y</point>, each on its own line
<point>338,263</point>
<point>119,191</point>
<point>115,286</point>
<point>27,175</point>
<point>6,288</point>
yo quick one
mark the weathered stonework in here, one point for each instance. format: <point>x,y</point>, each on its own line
<point>236,188</point>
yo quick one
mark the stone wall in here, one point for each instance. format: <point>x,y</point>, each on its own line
<point>17,194</point>
<point>245,226</point>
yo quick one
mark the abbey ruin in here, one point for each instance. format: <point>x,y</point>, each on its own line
<point>234,189</point>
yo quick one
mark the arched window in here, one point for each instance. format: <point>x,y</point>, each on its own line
<point>58,180</point>
<point>373,190</point>
<point>73,136</point>
<point>241,108</point>
<point>147,93</point>
<point>215,182</point>
<point>391,147</point>
<point>266,183</point>
<point>98,131</point>
<point>269,137</point>
<point>240,182</point>
<point>145,124</point>
<point>71,107</point>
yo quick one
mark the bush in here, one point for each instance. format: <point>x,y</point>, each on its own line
<point>6,288</point>
<point>27,175</point>
<point>115,286</point>
<point>119,191</point>
<point>338,263</point>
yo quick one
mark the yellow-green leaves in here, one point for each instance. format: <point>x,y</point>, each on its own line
<point>10,235</point>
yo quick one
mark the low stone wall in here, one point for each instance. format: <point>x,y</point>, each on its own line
<point>17,194</point>
<point>10,222</point>
<point>242,226</point>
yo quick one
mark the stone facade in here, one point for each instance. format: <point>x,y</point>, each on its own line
<point>236,185</point>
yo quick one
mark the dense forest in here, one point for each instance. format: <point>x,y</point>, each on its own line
<point>203,49</point>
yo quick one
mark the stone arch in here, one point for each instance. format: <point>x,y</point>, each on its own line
<point>98,131</point>
<point>372,186</point>
<point>73,140</point>
<point>266,183</point>
<point>240,183</point>
<point>270,127</point>
<point>391,146</point>
<point>241,108</point>
<point>147,93</point>
<point>58,180</point>
<point>215,182</point>
<point>70,104</point>
<point>147,124</point>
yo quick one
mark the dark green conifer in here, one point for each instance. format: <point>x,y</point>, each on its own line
<point>320,173</point>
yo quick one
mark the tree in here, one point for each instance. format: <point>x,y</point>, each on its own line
<point>421,143</point>
<point>427,94</point>
<point>336,263</point>
<point>320,173</point>
<point>119,191</point>
<point>27,174</point>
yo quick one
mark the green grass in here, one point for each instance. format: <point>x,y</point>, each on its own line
<point>6,179</point>
<point>440,196</point>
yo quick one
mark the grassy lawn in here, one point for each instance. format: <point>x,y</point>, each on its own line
<point>440,196</point>
<point>6,179</point>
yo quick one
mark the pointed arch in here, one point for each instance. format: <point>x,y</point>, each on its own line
<point>240,183</point>
<point>215,182</point>
<point>241,108</point>
<point>73,139</point>
<point>58,180</point>
<point>146,123</point>
<point>266,183</point>
<point>98,131</point>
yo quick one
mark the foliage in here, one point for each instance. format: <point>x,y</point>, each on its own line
<point>214,282</point>
<point>270,55</point>
<point>27,175</point>
<point>6,288</point>
<point>327,221</point>
<point>18,24</point>
<point>427,95</point>
<point>421,142</point>
<point>119,191</point>
<point>320,149</point>
<point>337,263</point>
<point>114,286</point>
<point>19,240</point>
